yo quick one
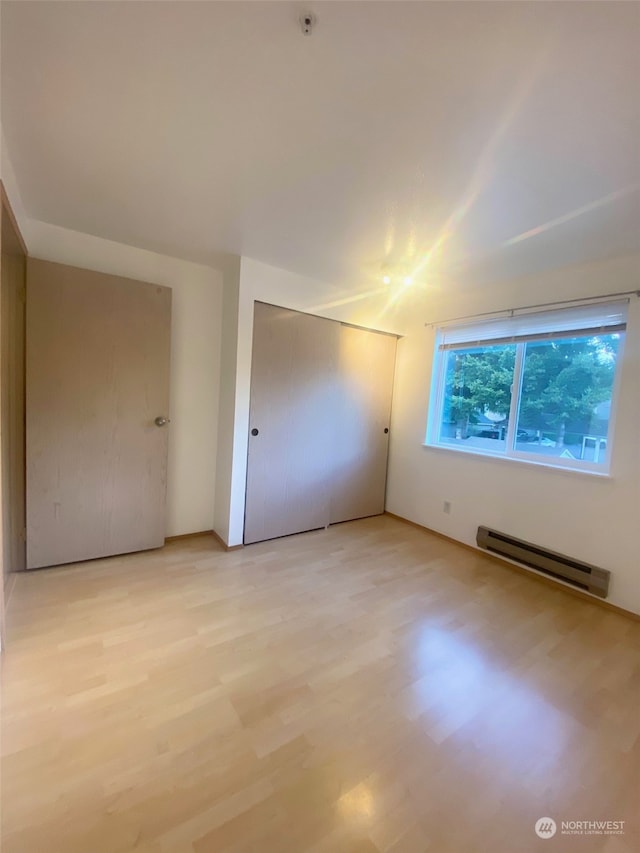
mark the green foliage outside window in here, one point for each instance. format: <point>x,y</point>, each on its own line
<point>563,383</point>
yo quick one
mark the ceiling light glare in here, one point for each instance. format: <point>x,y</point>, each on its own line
<point>386,279</point>
<point>408,280</point>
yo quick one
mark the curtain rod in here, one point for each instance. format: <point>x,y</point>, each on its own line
<point>512,311</point>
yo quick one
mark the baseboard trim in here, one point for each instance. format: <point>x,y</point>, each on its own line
<point>224,544</point>
<point>218,539</point>
<point>183,536</point>
<point>530,573</point>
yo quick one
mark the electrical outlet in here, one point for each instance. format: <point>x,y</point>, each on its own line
<point>446,507</point>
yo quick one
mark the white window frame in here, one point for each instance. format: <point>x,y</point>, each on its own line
<point>510,452</point>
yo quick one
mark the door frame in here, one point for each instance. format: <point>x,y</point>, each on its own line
<point>6,210</point>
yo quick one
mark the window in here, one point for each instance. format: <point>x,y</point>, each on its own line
<point>534,386</point>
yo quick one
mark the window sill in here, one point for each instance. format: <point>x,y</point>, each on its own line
<point>561,469</point>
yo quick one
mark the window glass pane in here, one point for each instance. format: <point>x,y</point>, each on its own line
<point>565,401</point>
<point>477,397</point>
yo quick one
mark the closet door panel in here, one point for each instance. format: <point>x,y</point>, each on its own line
<point>293,404</point>
<point>366,367</point>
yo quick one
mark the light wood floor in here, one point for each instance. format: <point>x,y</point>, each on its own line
<point>366,688</point>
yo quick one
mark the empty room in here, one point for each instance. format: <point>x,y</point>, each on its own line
<point>320,426</point>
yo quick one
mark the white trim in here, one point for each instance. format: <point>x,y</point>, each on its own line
<point>516,387</point>
<point>560,462</point>
<point>437,384</point>
<point>615,397</point>
<point>575,321</point>
<point>526,309</point>
<point>520,460</point>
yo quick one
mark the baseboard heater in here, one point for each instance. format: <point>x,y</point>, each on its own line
<point>578,574</point>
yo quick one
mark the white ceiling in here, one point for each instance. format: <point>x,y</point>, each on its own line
<point>412,134</point>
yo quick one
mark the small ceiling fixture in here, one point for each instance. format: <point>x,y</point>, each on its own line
<point>307,22</point>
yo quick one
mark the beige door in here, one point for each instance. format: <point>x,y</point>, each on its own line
<point>98,350</point>
<point>291,426</point>
<point>366,368</point>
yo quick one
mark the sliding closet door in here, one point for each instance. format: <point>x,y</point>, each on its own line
<point>292,423</point>
<point>366,368</point>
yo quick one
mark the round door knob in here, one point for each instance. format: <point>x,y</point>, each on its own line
<point>160,421</point>
<point>255,431</point>
<point>386,430</point>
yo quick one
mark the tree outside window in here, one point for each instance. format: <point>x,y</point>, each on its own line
<point>536,395</point>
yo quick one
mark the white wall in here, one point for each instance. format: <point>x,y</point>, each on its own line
<point>586,517</point>
<point>195,358</point>
<point>264,283</point>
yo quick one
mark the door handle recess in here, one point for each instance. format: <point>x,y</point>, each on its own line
<point>255,431</point>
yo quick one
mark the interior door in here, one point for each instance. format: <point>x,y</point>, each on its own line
<point>98,349</point>
<point>363,411</point>
<point>292,423</point>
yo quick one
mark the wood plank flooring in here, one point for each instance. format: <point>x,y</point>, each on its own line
<point>366,688</point>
